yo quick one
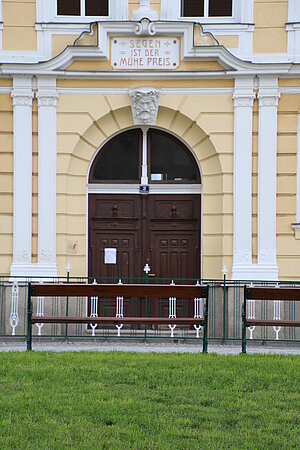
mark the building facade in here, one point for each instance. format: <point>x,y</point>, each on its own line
<point>163,132</point>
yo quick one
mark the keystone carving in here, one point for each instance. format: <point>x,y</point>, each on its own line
<point>144,105</point>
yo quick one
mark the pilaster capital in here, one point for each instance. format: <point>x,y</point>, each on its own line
<point>21,97</point>
<point>47,98</point>
<point>268,99</point>
<point>243,99</point>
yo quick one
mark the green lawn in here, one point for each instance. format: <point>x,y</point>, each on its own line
<point>134,401</point>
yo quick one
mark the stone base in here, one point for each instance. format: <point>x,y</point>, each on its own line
<point>28,271</point>
<point>255,272</point>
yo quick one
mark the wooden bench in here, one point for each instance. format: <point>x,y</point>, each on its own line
<point>267,293</point>
<point>148,292</point>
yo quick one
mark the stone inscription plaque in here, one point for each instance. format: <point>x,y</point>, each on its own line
<point>132,53</point>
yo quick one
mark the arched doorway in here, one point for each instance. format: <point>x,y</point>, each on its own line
<point>144,207</point>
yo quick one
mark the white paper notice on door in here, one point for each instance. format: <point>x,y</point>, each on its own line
<point>110,256</point>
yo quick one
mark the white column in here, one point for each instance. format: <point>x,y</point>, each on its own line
<point>47,101</point>
<point>242,201</point>
<point>22,224</point>
<point>267,150</point>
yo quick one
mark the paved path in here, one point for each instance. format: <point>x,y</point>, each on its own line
<point>234,349</point>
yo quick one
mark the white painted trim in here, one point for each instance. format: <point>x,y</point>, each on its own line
<point>154,188</point>
<point>22,221</point>
<point>242,200</point>
<point>47,143</point>
<point>298,173</point>
<point>289,90</point>
<point>4,90</point>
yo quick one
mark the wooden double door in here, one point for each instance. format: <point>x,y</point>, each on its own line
<point>161,230</point>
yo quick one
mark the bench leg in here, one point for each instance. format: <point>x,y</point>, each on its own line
<point>205,327</point>
<point>29,315</point>
<point>243,330</point>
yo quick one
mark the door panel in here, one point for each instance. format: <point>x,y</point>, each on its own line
<point>163,230</point>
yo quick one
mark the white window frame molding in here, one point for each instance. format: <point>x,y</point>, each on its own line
<point>46,11</point>
<point>242,13</point>
<point>293,30</point>
<point>240,24</point>
<point>49,23</point>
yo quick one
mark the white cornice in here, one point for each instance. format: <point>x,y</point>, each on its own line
<point>125,91</point>
<point>232,65</point>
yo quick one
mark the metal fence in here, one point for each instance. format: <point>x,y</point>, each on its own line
<point>224,320</point>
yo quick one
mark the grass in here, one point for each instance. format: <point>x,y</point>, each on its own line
<point>156,401</point>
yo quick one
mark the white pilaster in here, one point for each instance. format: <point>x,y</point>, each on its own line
<point>144,11</point>
<point>298,173</point>
<point>118,9</point>
<point>22,240</point>
<point>47,101</point>
<point>170,10</point>
<point>267,151</point>
<point>242,226</point>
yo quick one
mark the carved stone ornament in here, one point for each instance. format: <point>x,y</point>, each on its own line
<point>145,28</point>
<point>243,257</point>
<point>144,105</point>
<point>267,256</point>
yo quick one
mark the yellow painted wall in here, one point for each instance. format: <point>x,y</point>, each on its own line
<point>270,17</point>
<point>19,25</point>
<point>85,122</point>
<point>6,183</point>
<point>288,248</point>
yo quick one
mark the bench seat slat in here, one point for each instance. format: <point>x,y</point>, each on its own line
<point>117,290</point>
<point>268,293</point>
<point>117,320</point>
<point>276,323</point>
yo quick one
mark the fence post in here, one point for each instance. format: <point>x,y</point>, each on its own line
<point>205,332</point>
<point>68,269</point>
<point>244,322</point>
<point>146,270</point>
<point>224,271</point>
<point>29,315</point>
